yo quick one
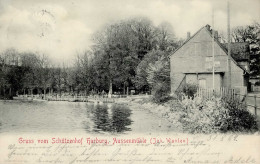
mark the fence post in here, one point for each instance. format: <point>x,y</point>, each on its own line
<point>244,99</point>
<point>255,106</point>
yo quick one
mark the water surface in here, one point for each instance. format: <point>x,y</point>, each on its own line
<point>67,117</point>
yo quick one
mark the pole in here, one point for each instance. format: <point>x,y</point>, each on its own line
<point>213,52</point>
<point>229,49</point>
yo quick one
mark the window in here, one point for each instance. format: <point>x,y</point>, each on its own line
<point>202,83</point>
<point>209,59</point>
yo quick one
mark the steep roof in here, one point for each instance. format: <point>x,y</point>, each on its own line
<point>207,27</point>
<point>187,40</point>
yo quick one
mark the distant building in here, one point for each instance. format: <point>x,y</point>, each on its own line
<point>192,62</point>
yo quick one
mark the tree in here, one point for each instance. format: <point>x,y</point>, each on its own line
<point>82,69</point>
<point>250,34</point>
<point>29,61</point>
<point>116,48</point>
<point>14,77</point>
<point>42,72</point>
<point>166,38</point>
<point>158,77</point>
<point>254,40</point>
<point>141,70</point>
<point>240,33</point>
<point>123,45</point>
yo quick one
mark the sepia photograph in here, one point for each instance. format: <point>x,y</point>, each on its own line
<point>129,81</point>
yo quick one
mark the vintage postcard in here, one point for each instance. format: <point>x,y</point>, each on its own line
<point>129,81</point>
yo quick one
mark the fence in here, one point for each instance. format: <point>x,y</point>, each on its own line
<point>52,97</point>
<point>67,98</point>
<point>255,88</point>
<point>219,92</point>
<point>238,93</point>
<point>77,98</point>
<point>252,102</point>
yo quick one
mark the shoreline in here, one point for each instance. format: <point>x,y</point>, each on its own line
<point>162,111</point>
<point>167,114</point>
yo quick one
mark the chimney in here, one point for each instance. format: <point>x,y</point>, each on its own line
<point>216,34</point>
<point>208,27</point>
<point>188,35</point>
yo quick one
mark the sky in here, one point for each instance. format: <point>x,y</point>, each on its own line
<point>63,28</point>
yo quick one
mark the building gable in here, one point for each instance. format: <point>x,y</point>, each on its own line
<point>194,58</point>
<point>200,44</point>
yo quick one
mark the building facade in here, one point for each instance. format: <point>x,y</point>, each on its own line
<point>192,63</point>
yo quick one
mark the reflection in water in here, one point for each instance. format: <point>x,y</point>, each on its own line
<point>100,118</point>
<point>120,118</point>
<point>18,116</point>
<point>117,122</point>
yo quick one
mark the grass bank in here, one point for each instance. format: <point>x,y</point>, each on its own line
<point>196,115</point>
<point>163,111</point>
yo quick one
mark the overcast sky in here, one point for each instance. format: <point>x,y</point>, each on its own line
<point>63,27</point>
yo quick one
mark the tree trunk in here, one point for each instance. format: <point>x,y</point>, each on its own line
<point>124,88</point>
<point>110,89</point>
<point>44,92</point>
<point>4,91</point>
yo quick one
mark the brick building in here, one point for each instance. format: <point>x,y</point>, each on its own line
<point>192,62</point>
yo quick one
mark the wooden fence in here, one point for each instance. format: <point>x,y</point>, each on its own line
<point>251,101</point>
<point>219,92</point>
<point>76,98</point>
<point>67,98</point>
<point>255,88</point>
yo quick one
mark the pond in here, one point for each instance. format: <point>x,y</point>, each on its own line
<point>67,117</point>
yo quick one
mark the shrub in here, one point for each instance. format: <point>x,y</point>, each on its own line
<point>257,83</point>
<point>200,116</point>
<point>240,119</point>
<point>215,115</point>
<point>161,93</point>
<point>188,90</point>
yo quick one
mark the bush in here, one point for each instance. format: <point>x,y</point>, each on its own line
<point>240,119</point>
<point>215,115</point>
<point>200,116</point>
<point>161,93</point>
<point>257,83</point>
<point>188,90</point>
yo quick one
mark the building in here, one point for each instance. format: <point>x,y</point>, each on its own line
<point>192,62</point>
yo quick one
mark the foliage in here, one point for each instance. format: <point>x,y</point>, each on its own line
<point>161,93</point>
<point>215,115</point>
<point>22,71</point>
<point>250,34</point>
<point>189,90</point>
<point>116,60</point>
<point>126,48</point>
<point>257,83</point>
<point>201,116</point>
<point>158,78</point>
<point>240,119</point>
<point>141,70</point>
